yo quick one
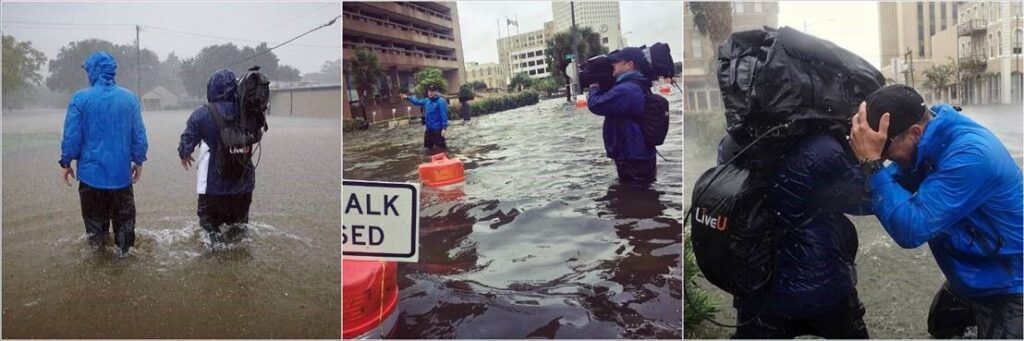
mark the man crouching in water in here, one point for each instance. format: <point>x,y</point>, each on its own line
<point>223,198</point>
<point>622,107</point>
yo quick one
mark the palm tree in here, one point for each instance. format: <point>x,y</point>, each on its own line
<point>364,71</point>
<point>560,45</point>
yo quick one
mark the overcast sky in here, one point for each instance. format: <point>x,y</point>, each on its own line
<point>50,26</point>
<point>649,22</point>
<point>852,25</point>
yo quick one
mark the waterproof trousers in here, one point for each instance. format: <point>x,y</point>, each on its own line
<point>637,171</point>
<point>217,210</point>
<point>100,207</point>
<point>997,316</point>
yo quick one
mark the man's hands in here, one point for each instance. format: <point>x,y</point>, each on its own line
<point>404,96</point>
<point>68,172</point>
<point>136,173</point>
<point>444,133</point>
<point>867,143</point>
<point>187,162</point>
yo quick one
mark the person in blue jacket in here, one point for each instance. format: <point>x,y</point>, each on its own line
<point>435,117</point>
<point>623,106</point>
<point>104,132</point>
<point>953,185</point>
<point>812,290</point>
<point>223,200</point>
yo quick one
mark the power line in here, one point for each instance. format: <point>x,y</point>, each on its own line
<point>222,38</point>
<point>279,24</point>
<point>329,23</point>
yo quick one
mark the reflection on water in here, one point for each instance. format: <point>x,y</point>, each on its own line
<point>540,240</point>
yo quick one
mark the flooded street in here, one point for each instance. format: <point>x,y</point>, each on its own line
<point>896,285</point>
<point>539,241</point>
<point>280,280</point>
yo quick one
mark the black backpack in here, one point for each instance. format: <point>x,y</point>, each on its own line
<point>253,100</point>
<point>234,152</point>
<point>733,226</point>
<point>655,121</point>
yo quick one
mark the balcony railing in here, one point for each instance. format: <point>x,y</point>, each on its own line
<point>973,63</point>
<point>399,51</point>
<point>425,10</point>
<point>397,26</point>
<point>971,26</point>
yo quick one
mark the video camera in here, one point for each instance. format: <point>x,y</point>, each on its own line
<point>598,69</point>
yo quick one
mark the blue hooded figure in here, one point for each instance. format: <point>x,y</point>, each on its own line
<point>223,199</point>
<point>104,133</point>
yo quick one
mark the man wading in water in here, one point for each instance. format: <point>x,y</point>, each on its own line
<point>103,131</point>
<point>435,117</point>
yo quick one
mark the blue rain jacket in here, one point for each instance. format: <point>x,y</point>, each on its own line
<point>622,107</point>
<point>221,91</point>
<point>103,128</point>
<point>435,111</point>
<point>812,187</point>
<point>963,196</point>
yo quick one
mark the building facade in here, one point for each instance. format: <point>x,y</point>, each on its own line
<point>524,53</point>
<point>603,17</point>
<point>989,48</point>
<point>406,37</point>
<point>909,35</point>
<point>306,101</point>
<point>702,93</point>
<point>491,74</point>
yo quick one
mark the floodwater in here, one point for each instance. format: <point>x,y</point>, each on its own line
<point>279,280</point>
<point>539,241</point>
<point>896,285</point>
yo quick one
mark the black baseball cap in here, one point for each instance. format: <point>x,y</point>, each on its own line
<point>905,106</point>
<point>432,87</point>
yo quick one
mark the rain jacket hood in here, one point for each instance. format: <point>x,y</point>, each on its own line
<point>622,107</point>
<point>101,68</point>
<point>963,196</point>
<point>103,128</point>
<point>222,87</point>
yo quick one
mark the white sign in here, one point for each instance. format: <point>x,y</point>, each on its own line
<point>381,220</point>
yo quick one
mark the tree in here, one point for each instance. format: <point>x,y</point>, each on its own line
<point>66,74</point>
<point>21,63</point>
<point>478,85</point>
<point>196,71</point>
<point>588,43</point>
<point>519,82</point>
<point>466,92</point>
<point>329,73</point>
<point>430,76</point>
<point>546,85</point>
<point>170,74</point>
<point>363,71</point>
<point>938,77</point>
<point>712,20</point>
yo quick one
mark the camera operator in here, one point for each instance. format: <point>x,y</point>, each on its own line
<point>622,106</point>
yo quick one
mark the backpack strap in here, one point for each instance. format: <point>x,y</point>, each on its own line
<point>215,114</point>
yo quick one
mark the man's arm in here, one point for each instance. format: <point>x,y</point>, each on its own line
<point>140,144</point>
<point>416,101</point>
<point>943,199</point>
<point>190,138</point>
<point>621,99</point>
<point>71,143</point>
<point>444,115</point>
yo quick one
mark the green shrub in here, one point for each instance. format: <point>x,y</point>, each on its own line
<point>490,105</point>
<point>698,304</point>
<point>353,124</point>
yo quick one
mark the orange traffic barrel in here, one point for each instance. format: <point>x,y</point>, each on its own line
<point>441,171</point>
<point>369,299</point>
<point>581,102</point>
<point>665,89</point>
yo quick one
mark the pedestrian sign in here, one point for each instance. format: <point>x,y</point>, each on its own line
<point>380,220</point>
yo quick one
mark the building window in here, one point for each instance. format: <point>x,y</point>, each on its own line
<point>1002,51</point>
<point>529,54</point>
<point>540,53</point>
<point>604,40</point>
<point>931,19</point>
<point>991,47</point>
<point>942,13</point>
<point>522,56</point>
<point>531,63</point>
<point>955,17</point>
<point>697,49</point>
<point>1019,35</point>
<point>920,29</point>
<point>737,7</point>
<point>523,65</point>
<point>533,72</point>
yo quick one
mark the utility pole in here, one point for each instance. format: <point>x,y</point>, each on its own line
<point>138,63</point>
<point>575,50</point>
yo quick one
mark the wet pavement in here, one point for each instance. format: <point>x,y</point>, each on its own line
<point>279,280</point>
<point>896,285</point>
<point>539,241</point>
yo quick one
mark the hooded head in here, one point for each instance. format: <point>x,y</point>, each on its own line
<point>100,67</point>
<point>222,86</point>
